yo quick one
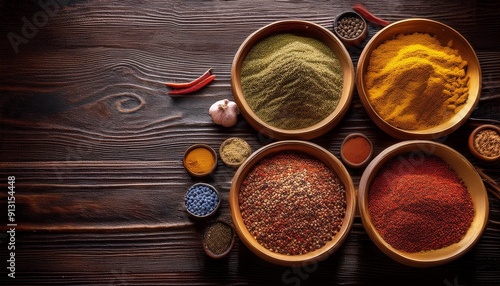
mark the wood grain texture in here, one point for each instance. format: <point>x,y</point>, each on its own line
<point>95,142</point>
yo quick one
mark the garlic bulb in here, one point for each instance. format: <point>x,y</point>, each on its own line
<point>224,112</point>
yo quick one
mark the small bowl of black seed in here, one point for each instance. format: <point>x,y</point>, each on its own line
<point>202,200</point>
<point>218,239</point>
<point>350,27</point>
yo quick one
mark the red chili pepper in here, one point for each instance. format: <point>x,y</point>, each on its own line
<point>194,87</point>
<point>189,84</point>
<point>363,11</point>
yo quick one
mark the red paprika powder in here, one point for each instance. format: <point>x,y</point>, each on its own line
<point>355,150</point>
<point>419,205</point>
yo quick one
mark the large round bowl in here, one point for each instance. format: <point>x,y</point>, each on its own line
<point>465,171</point>
<point>445,35</point>
<point>307,29</point>
<point>330,161</point>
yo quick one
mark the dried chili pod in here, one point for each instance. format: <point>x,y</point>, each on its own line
<point>363,11</point>
<point>194,87</point>
<point>191,83</point>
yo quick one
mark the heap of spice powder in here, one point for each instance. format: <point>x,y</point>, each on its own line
<point>418,203</point>
<point>487,143</point>
<point>291,82</point>
<point>199,160</point>
<point>234,151</point>
<point>356,149</point>
<point>415,83</point>
<point>292,203</point>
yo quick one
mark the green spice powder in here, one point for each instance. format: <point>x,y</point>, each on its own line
<point>291,82</point>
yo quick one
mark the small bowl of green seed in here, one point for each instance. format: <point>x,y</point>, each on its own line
<point>351,28</point>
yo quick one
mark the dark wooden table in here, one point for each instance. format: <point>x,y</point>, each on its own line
<point>95,143</point>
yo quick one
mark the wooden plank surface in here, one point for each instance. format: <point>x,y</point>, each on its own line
<point>95,143</point>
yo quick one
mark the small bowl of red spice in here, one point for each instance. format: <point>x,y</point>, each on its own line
<point>292,203</point>
<point>484,143</point>
<point>356,150</point>
<point>422,203</point>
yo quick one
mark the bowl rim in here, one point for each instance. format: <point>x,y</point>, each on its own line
<point>213,211</point>
<point>308,29</point>
<point>368,158</point>
<point>417,25</point>
<point>225,142</point>
<point>471,142</point>
<point>351,41</point>
<point>304,147</point>
<point>230,247</point>
<point>434,257</point>
<point>200,145</point>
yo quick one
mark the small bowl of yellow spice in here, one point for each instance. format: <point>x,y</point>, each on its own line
<point>292,79</point>
<point>418,79</point>
<point>200,160</point>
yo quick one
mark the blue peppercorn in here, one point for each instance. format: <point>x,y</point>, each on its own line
<point>201,200</point>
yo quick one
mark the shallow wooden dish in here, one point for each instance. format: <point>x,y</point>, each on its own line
<point>465,171</point>
<point>307,29</point>
<point>444,34</point>
<point>328,159</point>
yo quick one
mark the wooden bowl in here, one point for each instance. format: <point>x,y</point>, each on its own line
<point>356,41</point>
<point>444,34</point>
<point>473,149</point>
<point>244,148</point>
<point>346,158</point>
<point>202,174</point>
<point>307,29</point>
<point>205,243</point>
<point>212,212</point>
<point>465,171</point>
<point>329,160</point>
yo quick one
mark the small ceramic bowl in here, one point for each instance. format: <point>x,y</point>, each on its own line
<point>210,238</point>
<point>245,150</point>
<point>445,35</point>
<point>330,161</point>
<point>211,210</point>
<point>464,169</point>
<point>353,41</point>
<point>473,149</point>
<point>186,163</point>
<point>359,157</point>
<point>307,29</point>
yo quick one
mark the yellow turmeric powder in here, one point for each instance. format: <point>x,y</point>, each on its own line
<point>199,160</point>
<point>414,83</point>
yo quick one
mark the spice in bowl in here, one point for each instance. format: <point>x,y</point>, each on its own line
<point>292,203</point>
<point>218,239</point>
<point>202,200</point>
<point>233,151</point>
<point>413,82</point>
<point>290,81</point>
<point>356,150</point>
<point>419,207</point>
<point>351,28</point>
<point>200,160</point>
<point>484,142</point>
